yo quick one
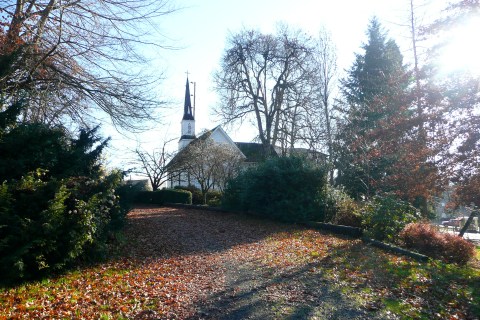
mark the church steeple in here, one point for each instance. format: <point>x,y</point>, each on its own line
<point>188,121</point>
<point>187,110</point>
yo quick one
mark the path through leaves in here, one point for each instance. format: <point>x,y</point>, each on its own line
<point>193,264</point>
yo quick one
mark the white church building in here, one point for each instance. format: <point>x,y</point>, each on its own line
<point>250,151</point>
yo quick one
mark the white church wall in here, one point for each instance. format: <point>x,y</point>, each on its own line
<point>219,137</point>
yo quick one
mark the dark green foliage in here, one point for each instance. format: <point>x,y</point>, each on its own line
<point>426,239</point>
<point>285,188</point>
<point>48,224</point>
<point>384,217</point>
<point>7,60</point>
<point>374,98</point>
<point>163,196</point>
<point>214,198</point>
<point>127,194</point>
<point>8,117</point>
<point>177,196</point>
<point>50,149</point>
<point>41,147</point>
<point>426,208</point>
<point>197,197</point>
<point>56,205</point>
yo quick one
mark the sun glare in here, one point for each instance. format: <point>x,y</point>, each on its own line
<point>462,52</point>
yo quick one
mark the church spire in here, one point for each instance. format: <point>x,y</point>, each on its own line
<point>187,112</point>
<point>188,121</point>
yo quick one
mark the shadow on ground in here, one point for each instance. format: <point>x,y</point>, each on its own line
<point>251,290</point>
<point>297,294</point>
<point>167,232</point>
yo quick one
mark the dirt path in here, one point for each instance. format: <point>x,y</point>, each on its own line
<point>243,268</point>
<point>189,264</point>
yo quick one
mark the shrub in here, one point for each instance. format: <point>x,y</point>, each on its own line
<point>341,209</point>
<point>348,215</point>
<point>128,193</point>
<point>52,150</point>
<point>46,225</point>
<point>177,196</point>
<point>214,198</point>
<point>197,197</point>
<point>384,217</point>
<point>163,196</point>
<point>284,188</point>
<point>57,205</point>
<point>426,239</point>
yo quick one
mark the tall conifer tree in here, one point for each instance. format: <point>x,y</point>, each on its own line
<point>375,99</point>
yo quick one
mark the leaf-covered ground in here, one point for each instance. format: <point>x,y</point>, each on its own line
<point>189,264</point>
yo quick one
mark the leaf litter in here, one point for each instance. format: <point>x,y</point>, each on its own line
<point>193,264</point>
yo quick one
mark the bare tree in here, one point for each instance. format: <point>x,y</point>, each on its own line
<point>229,165</point>
<point>154,165</point>
<point>320,125</point>
<point>295,119</point>
<point>209,163</point>
<point>70,58</point>
<point>416,30</point>
<point>261,76</point>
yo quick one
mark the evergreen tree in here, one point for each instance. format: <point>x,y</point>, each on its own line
<point>50,149</point>
<point>376,105</point>
<point>56,202</point>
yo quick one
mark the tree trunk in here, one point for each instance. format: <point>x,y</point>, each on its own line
<point>467,224</point>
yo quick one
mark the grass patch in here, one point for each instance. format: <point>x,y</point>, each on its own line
<point>381,281</point>
<point>413,290</point>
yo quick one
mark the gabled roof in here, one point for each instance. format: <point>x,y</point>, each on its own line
<point>219,132</point>
<point>204,136</point>
<point>255,151</point>
<point>309,154</point>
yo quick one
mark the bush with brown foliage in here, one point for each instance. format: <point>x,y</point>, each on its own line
<point>426,239</point>
<point>348,214</point>
<point>341,209</point>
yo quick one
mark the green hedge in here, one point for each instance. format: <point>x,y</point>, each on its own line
<point>286,189</point>
<point>197,197</point>
<point>214,197</point>
<point>47,225</point>
<point>164,196</point>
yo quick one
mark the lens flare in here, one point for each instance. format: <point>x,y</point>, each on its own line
<point>462,50</point>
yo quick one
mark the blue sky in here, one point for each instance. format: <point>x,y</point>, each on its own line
<point>199,30</point>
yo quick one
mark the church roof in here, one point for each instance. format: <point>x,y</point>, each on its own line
<point>187,110</point>
<point>187,137</point>
<point>195,140</point>
<point>255,152</point>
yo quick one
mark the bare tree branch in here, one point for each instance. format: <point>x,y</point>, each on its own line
<point>209,163</point>
<point>261,76</point>
<point>154,165</point>
<point>71,58</point>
